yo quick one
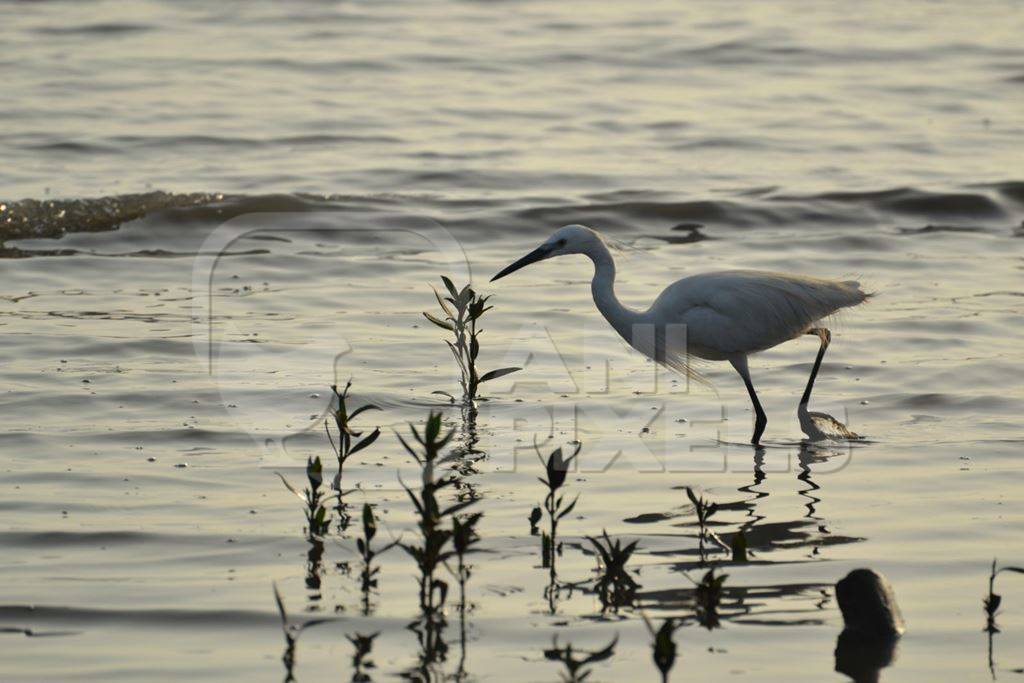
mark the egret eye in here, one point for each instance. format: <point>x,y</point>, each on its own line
<point>560,243</point>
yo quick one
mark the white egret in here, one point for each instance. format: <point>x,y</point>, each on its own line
<point>726,315</point>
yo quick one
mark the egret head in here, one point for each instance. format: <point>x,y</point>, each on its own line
<point>569,239</point>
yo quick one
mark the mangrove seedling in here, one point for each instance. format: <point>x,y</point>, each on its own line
<point>615,587</point>
<point>347,444</point>
<point>317,521</point>
<point>992,601</point>
<point>461,311</point>
<point>704,510</point>
<point>707,598</point>
<point>576,661</point>
<point>556,468</point>
<point>435,546</point>
<point>663,647</point>
<point>360,663</point>
<point>291,635</point>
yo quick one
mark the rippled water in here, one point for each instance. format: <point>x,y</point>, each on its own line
<point>210,214</point>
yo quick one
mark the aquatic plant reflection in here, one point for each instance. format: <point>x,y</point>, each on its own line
<point>291,634</point>
<point>360,658</point>
<point>575,661</point>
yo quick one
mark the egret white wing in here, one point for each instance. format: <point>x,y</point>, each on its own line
<point>735,312</point>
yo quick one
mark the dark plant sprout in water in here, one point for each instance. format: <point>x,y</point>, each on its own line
<point>992,601</point>
<point>704,510</point>
<point>347,444</point>
<point>707,598</point>
<point>991,604</point>
<point>317,520</point>
<point>556,468</point>
<point>461,311</point>
<point>291,635</point>
<point>663,646</point>
<point>576,661</point>
<point>615,587</point>
<point>363,647</point>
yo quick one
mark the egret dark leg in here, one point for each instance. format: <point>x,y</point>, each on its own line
<point>760,419</point>
<point>826,337</point>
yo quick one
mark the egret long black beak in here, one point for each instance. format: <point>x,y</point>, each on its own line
<point>538,254</point>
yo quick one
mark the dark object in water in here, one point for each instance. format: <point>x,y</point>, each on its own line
<point>692,230</point>
<point>868,604</point>
<point>873,625</point>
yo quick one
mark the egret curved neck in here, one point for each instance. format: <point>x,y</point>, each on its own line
<point>603,289</point>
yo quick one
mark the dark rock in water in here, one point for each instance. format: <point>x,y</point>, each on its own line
<point>873,625</point>
<point>868,604</point>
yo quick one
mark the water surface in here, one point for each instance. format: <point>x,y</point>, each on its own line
<point>354,153</point>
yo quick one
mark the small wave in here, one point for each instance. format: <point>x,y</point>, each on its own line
<point>159,618</point>
<point>941,228</point>
<point>72,147</point>
<point>123,144</point>
<point>940,402</point>
<point>105,29</point>
<point>1013,190</point>
<point>206,141</point>
<point>612,210</point>
<point>54,539</point>
<point>703,211</point>
<point>912,202</point>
